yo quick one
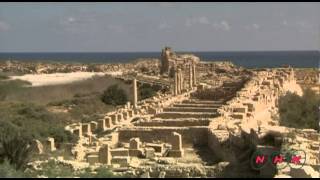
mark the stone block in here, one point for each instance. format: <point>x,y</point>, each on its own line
<point>108,122</point>
<point>149,153</point>
<point>105,154</point>
<point>86,128</point>
<point>159,148</point>
<point>135,143</point>
<point>120,117</point>
<point>175,153</point>
<point>114,118</point>
<point>120,152</point>
<point>94,125</point>
<point>135,153</point>
<point>93,159</point>
<point>123,161</point>
<point>101,124</point>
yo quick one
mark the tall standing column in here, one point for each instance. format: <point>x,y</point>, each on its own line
<point>175,83</point>
<point>135,94</point>
<point>194,74</point>
<point>179,81</point>
<point>190,76</point>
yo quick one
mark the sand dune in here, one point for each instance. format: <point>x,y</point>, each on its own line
<point>56,78</point>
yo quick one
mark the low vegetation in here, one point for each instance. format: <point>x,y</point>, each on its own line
<point>8,171</point>
<point>15,146</point>
<point>52,169</point>
<point>11,87</point>
<point>34,120</point>
<point>147,91</point>
<point>28,113</point>
<point>2,77</point>
<point>299,111</point>
<point>114,96</point>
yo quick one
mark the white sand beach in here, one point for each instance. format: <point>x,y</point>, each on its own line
<point>56,78</point>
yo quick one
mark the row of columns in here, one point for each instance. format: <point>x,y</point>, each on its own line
<point>178,79</point>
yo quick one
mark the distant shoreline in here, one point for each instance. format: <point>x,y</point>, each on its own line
<point>249,59</point>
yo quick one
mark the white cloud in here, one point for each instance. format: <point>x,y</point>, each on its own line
<point>71,19</point>
<point>303,24</point>
<point>285,22</point>
<point>116,28</point>
<point>163,26</point>
<point>256,26</point>
<point>203,20</point>
<point>197,21</point>
<point>223,25</point>
<point>253,26</point>
<point>4,26</point>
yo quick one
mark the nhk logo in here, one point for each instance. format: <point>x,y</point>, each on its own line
<point>280,159</point>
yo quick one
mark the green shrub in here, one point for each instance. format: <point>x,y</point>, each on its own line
<point>100,172</point>
<point>36,121</point>
<point>146,91</point>
<point>53,170</point>
<point>114,96</point>
<point>8,171</point>
<point>15,146</point>
<point>299,112</point>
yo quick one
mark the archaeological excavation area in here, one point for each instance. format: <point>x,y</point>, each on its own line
<point>209,124</point>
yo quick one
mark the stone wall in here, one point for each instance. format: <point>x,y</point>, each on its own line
<point>190,135</point>
<point>175,122</point>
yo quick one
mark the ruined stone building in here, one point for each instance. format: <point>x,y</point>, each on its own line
<point>170,59</point>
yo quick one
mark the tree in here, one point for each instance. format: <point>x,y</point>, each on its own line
<point>114,96</point>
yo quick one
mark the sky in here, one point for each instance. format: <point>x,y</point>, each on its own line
<point>141,27</point>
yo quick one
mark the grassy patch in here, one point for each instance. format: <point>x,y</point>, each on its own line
<point>35,120</point>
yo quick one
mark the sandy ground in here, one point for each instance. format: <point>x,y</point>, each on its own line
<point>56,78</point>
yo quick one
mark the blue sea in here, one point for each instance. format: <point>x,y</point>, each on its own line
<point>256,59</point>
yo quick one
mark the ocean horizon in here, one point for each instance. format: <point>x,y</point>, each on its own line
<point>247,59</point>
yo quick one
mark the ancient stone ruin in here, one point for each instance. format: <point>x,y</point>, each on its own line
<point>176,134</point>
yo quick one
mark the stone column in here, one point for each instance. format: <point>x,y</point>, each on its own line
<point>135,94</point>
<point>175,83</point>
<point>190,77</point>
<point>101,124</point>
<point>94,125</point>
<point>135,147</point>
<point>108,122</point>
<point>50,144</point>
<point>105,155</point>
<point>86,128</point>
<point>194,74</point>
<point>114,118</point>
<point>179,81</point>
<point>78,131</point>
<point>120,117</point>
<point>176,142</point>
